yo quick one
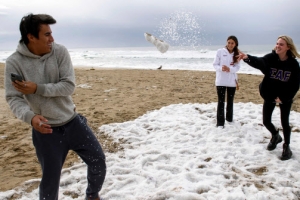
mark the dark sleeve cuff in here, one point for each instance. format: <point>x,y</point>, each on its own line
<point>247,60</point>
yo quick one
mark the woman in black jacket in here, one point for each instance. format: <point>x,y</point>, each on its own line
<point>279,86</point>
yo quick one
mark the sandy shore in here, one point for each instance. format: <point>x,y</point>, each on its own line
<point>107,96</point>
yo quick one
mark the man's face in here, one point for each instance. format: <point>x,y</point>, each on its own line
<point>43,44</point>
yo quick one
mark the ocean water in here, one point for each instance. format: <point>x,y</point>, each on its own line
<point>176,58</point>
<point>189,49</point>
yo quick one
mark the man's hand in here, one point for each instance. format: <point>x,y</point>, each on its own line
<point>39,123</point>
<point>25,87</point>
<point>277,100</point>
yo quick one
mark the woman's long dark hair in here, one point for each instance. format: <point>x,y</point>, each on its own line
<point>235,49</point>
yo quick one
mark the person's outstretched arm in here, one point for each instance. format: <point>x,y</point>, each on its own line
<point>256,62</point>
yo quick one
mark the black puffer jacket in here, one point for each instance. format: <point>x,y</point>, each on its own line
<point>282,78</point>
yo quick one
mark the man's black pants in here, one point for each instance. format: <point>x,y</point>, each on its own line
<point>52,149</point>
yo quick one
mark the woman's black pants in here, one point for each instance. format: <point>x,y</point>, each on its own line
<point>285,109</point>
<point>221,90</point>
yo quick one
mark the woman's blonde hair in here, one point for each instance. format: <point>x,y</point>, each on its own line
<point>289,41</point>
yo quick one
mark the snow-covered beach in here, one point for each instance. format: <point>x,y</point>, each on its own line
<point>176,152</point>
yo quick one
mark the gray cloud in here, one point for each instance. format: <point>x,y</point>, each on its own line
<point>112,23</point>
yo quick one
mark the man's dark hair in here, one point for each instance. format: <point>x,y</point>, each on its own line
<point>31,24</point>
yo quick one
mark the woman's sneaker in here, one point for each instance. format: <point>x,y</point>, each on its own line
<point>274,141</point>
<point>286,152</point>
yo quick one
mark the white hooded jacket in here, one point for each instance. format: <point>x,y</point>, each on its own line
<point>227,79</point>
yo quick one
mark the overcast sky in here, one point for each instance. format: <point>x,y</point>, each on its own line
<point>122,23</point>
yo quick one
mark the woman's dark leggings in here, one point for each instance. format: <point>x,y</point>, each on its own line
<point>285,109</point>
<point>52,149</point>
<point>221,90</point>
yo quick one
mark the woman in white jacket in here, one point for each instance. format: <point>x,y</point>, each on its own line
<point>226,64</point>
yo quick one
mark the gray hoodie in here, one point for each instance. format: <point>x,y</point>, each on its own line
<point>54,75</point>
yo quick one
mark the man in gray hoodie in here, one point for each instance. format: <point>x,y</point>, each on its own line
<point>43,99</point>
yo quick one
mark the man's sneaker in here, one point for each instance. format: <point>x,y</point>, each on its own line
<point>274,141</point>
<point>93,198</point>
<point>286,152</point>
